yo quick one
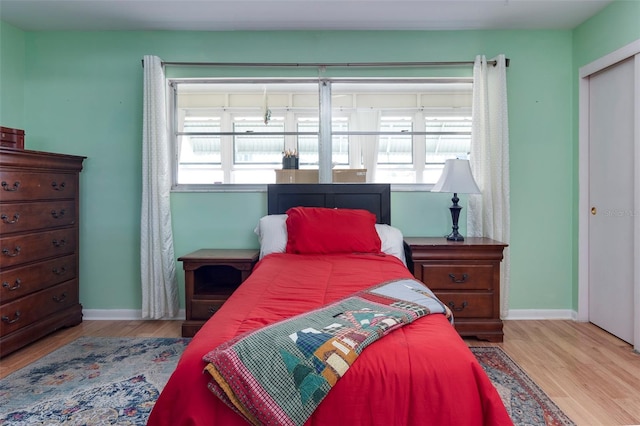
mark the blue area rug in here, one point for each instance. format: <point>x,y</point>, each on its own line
<point>116,381</point>
<point>91,381</point>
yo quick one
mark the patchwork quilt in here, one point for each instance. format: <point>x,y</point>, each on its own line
<point>279,374</point>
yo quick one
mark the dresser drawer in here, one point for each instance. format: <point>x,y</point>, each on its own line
<point>457,277</point>
<point>202,309</point>
<point>20,281</point>
<point>17,217</point>
<point>468,305</point>
<point>31,247</point>
<point>22,312</point>
<point>19,185</point>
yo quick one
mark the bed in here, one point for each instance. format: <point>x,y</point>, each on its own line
<point>418,373</point>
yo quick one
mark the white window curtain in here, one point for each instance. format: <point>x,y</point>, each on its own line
<point>369,144</point>
<point>157,261</point>
<point>488,213</point>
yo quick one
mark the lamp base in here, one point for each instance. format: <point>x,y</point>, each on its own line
<point>455,236</point>
<point>455,215</point>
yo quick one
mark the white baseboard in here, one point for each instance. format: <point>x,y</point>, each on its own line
<point>542,314</point>
<point>121,314</point>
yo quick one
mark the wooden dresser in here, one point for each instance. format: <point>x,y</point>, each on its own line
<point>465,275</point>
<point>39,209</point>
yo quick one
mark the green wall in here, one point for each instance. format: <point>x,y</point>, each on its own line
<point>614,27</point>
<point>83,96</point>
<point>12,62</point>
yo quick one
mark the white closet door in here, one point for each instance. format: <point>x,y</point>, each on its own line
<point>611,197</point>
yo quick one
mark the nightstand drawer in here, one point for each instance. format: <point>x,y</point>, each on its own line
<point>458,277</point>
<point>468,305</point>
<point>203,309</point>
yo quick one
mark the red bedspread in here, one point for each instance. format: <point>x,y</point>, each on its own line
<point>420,374</point>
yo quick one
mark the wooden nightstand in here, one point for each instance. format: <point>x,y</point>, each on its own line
<point>465,276</point>
<point>210,276</point>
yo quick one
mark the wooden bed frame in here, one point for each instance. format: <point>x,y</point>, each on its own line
<point>370,196</point>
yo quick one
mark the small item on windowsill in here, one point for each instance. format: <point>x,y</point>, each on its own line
<point>290,160</point>
<point>267,111</point>
<point>11,138</point>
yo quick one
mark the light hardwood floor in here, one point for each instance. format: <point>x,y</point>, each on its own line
<point>592,376</point>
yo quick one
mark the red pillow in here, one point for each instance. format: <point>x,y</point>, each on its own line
<point>323,230</point>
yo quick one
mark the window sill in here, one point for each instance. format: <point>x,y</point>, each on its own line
<point>397,187</point>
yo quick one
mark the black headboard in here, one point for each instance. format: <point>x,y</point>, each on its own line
<point>375,197</point>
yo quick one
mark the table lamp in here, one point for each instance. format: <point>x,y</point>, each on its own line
<point>457,178</point>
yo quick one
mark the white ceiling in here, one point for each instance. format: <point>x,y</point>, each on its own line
<point>219,15</point>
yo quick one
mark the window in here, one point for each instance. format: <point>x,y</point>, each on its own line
<point>446,137</point>
<point>199,151</point>
<point>396,144</point>
<point>308,144</point>
<point>400,131</point>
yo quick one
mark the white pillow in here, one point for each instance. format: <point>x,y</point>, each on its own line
<point>392,241</point>
<point>272,235</point>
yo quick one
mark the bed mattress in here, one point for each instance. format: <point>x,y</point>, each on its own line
<point>422,373</point>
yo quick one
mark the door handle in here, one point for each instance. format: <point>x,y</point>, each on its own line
<point>594,211</point>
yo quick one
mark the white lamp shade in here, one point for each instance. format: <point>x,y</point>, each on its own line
<point>457,178</point>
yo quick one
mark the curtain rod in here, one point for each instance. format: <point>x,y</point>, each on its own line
<point>326,65</point>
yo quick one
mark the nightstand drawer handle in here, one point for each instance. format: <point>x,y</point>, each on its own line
<point>452,305</point>
<point>459,281</point>
<point>212,309</point>
<point>16,318</point>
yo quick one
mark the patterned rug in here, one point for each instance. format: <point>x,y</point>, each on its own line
<point>526,403</point>
<point>116,381</point>
<point>91,381</point>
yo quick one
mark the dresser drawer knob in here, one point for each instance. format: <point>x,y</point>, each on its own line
<point>6,219</point>
<point>459,281</point>
<point>59,271</point>
<point>61,298</point>
<point>57,187</point>
<point>16,318</point>
<point>7,252</point>
<point>13,188</point>
<point>59,243</point>
<point>452,305</point>
<point>57,215</point>
<point>15,286</point>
